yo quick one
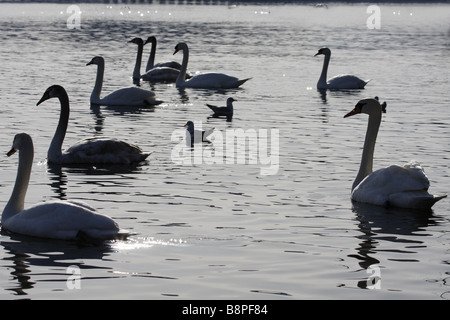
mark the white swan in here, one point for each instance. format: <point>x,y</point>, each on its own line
<point>158,73</point>
<point>396,186</point>
<point>137,66</point>
<point>340,81</point>
<point>196,136</point>
<point>223,111</point>
<point>151,59</point>
<point>88,151</point>
<point>65,220</point>
<point>131,96</point>
<point>205,81</point>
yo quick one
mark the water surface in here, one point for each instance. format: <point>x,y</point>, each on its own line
<point>224,230</point>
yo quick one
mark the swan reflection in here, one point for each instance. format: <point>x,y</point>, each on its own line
<point>28,256</point>
<point>379,225</point>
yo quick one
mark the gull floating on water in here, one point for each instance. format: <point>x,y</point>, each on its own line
<point>195,136</point>
<point>223,111</point>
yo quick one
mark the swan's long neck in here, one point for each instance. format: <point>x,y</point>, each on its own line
<point>54,151</point>
<point>369,147</point>
<point>322,83</point>
<point>17,201</point>
<point>182,75</point>
<point>151,58</point>
<point>95,95</point>
<point>137,65</point>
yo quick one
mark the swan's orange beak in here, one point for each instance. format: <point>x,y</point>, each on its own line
<point>351,113</point>
<point>356,110</point>
<point>11,152</point>
<point>44,97</point>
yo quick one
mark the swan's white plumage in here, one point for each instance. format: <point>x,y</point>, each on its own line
<point>64,220</point>
<point>399,186</point>
<point>344,81</point>
<point>131,96</point>
<point>204,81</point>
<point>161,74</point>
<point>103,151</point>
<point>61,220</point>
<point>87,151</point>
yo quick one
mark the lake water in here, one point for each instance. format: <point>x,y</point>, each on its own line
<point>223,228</point>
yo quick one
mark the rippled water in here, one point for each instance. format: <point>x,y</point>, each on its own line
<point>224,230</point>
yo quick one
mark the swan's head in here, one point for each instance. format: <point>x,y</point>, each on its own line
<point>180,47</point>
<point>151,39</point>
<point>20,140</point>
<point>96,60</point>
<point>137,41</point>
<point>368,106</point>
<point>324,51</point>
<point>230,99</point>
<point>54,91</point>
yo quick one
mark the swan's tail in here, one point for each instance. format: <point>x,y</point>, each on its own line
<point>88,238</point>
<point>428,202</point>
<point>152,102</point>
<point>144,156</point>
<point>415,200</point>
<point>364,83</point>
<point>241,82</point>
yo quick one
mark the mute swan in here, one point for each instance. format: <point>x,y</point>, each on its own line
<point>396,186</point>
<point>88,151</point>
<point>205,81</point>
<point>64,220</point>
<point>151,59</point>
<point>337,82</point>
<point>195,136</point>
<point>123,97</point>
<point>156,74</point>
<point>137,66</point>
<point>223,111</point>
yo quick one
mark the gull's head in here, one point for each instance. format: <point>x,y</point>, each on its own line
<point>189,124</point>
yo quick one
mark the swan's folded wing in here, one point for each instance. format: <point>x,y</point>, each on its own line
<point>131,96</point>
<point>214,80</point>
<point>60,220</point>
<point>346,81</point>
<point>378,187</point>
<point>105,150</point>
<point>161,74</point>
